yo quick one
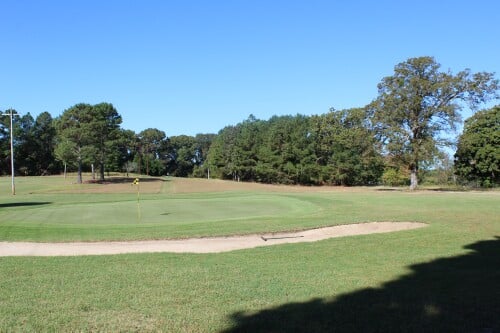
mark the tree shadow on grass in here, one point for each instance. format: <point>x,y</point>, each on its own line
<point>23,204</point>
<point>391,189</point>
<point>457,294</point>
<point>126,180</point>
<point>448,189</point>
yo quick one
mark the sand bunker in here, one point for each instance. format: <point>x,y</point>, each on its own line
<point>199,245</point>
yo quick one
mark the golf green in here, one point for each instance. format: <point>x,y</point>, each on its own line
<point>155,211</point>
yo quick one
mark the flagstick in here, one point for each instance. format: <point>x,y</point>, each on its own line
<point>138,205</point>
<point>136,182</point>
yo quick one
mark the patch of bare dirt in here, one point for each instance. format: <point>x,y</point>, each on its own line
<point>199,245</point>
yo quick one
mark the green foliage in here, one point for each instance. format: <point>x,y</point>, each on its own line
<point>86,133</point>
<point>44,133</point>
<point>34,142</point>
<point>5,142</point>
<point>74,133</point>
<point>394,177</point>
<point>419,103</point>
<point>223,156</point>
<point>335,148</point>
<point>202,147</point>
<point>182,155</point>
<point>121,152</point>
<point>441,172</point>
<point>286,150</point>
<point>106,131</point>
<point>346,149</point>
<point>150,142</point>
<point>478,153</point>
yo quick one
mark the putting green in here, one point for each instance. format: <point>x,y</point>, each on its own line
<point>154,211</point>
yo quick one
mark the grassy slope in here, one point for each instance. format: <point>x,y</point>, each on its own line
<point>441,278</point>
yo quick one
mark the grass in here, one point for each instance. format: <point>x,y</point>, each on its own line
<point>441,278</point>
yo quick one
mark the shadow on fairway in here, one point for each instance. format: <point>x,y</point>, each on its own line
<point>457,294</point>
<point>23,204</point>
<point>126,180</point>
<point>388,189</point>
<point>451,189</point>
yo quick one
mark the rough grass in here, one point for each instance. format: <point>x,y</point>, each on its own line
<point>444,278</point>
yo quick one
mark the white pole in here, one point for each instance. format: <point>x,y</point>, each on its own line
<point>11,115</point>
<point>12,154</point>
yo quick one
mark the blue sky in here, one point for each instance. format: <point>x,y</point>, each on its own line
<point>189,67</point>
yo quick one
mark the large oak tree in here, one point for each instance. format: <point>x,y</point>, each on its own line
<point>419,103</point>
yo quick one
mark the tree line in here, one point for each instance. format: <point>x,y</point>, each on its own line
<point>394,140</point>
<point>334,148</point>
<point>89,137</point>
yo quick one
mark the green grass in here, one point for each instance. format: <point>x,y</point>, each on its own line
<point>443,278</point>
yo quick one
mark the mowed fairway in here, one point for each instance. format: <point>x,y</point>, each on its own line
<point>445,277</point>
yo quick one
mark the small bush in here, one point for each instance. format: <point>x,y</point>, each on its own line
<point>394,177</point>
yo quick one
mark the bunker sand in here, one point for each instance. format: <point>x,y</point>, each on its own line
<point>199,245</point>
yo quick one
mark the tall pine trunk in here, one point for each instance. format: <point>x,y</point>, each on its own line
<point>101,171</point>
<point>79,177</point>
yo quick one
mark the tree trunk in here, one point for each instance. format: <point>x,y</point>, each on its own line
<point>79,178</point>
<point>101,171</point>
<point>413,179</point>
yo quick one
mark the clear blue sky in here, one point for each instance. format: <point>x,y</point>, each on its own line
<point>189,67</point>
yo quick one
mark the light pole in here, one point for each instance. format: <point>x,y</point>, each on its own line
<point>11,151</point>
